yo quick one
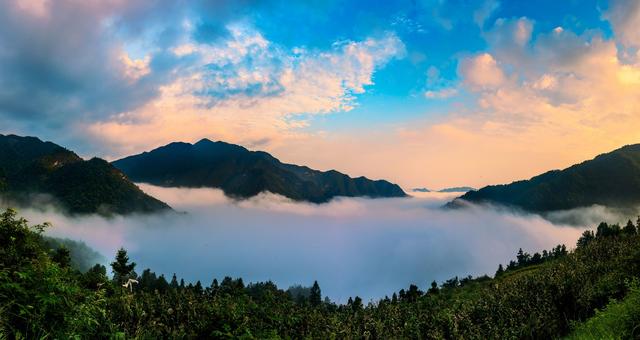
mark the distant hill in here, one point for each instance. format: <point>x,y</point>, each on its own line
<point>457,189</point>
<point>611,179</point>
<point>241,173</point>
<point>420,190</point>
<point>29,166</point>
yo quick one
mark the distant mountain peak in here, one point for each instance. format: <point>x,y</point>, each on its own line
<point>242,173</point>
<point>457,189</point>
<point>204,141</point>
<point>420,190</point>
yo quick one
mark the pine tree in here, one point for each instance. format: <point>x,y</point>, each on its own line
<point>357,304</point>
<point>174,281</point>
<point>629,229</point>
<point>121,267</point>
<point>161,284</point>
<point>315,296</point>
<point>587,236</point>
<point>198,287</point>
<point>500,270</point>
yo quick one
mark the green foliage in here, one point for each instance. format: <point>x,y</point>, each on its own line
<point>618,320</point>
<point>122,269</point>
<point>315,295</point>
<point>62,257</point>
<point>543,296</point>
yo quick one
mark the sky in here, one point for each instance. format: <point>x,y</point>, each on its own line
<point>424,93</point>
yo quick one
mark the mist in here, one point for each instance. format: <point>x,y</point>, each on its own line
<point>352,246</point>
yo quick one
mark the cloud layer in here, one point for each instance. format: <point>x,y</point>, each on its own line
<point>352,247</point>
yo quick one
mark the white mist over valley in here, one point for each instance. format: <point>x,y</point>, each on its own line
<point>352,246</point>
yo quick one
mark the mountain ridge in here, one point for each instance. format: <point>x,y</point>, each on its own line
<point>242,173</point>
<point>610,179</point>
<point>30,166</point>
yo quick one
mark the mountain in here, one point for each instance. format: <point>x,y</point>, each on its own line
<point>241,173</point>
<point>457,189</point>
<point>611,179</point>
<point>420,190</point>
<point>29,166</point>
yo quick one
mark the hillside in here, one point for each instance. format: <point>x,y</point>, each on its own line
<point>241,173</point>
<point>30,167</point>
<point>611,179</point>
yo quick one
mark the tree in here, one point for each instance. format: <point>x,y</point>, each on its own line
<point>95,277</point>
<point>413,293</point>
<point>62,257</point>
<point>357,304</point>
<point>602,230</point>
<point>161,284</point>
<point>451,283</point>
<point>198,287</point>
<point>629,229</point>
<point>121,267</point>
<point>536,258</point>
<point>434,287</point>
<point>500,270</point>
<point>174,282</point>
<point>213,289</point>
<point>586,238</point>
<point>315,295</point>
<point>148,280</point>
<point>523,258</point>
<point>605,230</point>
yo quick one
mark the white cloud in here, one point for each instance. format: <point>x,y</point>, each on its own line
<point>624,16</point>
<point>441,94</point>
<point>481,71</point>
<point>247,88</point>
<point>484,12</point>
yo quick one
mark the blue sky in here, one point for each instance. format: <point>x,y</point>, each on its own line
<point>445,92</point>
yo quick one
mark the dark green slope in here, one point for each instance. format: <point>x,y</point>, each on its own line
<point>611,179</point>
<point>30,166</point>
<point>242,173</point>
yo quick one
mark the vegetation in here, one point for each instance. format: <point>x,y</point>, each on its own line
<point>30,167</point>
<point>537,296</point>
<point>618,320</point>
<point>611,179</point>
<point>82,257</point>
<point>242,173</point>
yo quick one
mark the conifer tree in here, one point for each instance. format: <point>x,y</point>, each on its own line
<point>315,295</point>
<point>121,267</point>
<point>630,228</point>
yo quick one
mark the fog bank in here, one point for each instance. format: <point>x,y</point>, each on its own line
<point>352,246</point>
